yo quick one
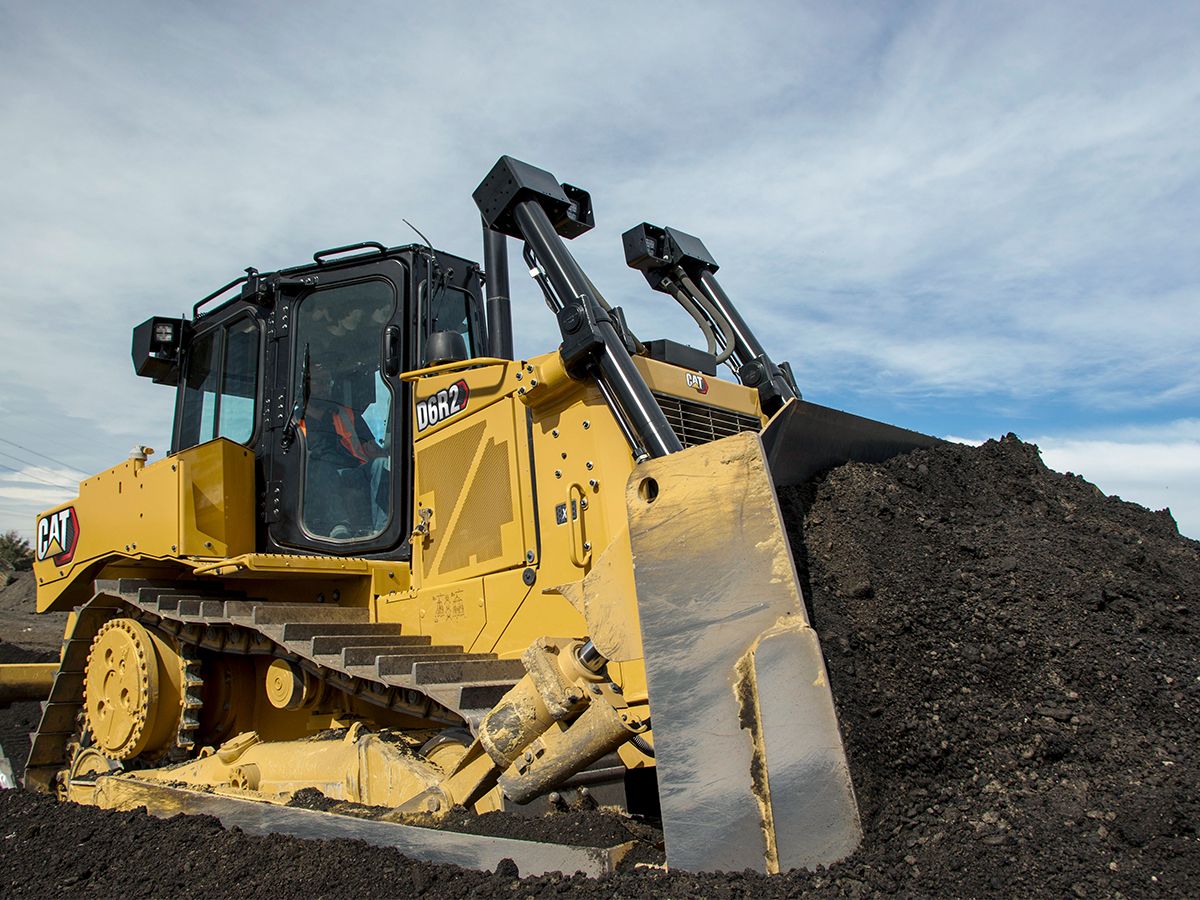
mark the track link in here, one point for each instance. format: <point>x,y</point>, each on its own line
<point>373,661</point>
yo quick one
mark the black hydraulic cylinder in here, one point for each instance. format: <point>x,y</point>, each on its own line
<point>613,366</point>
<point>679,264</point>
<point>499,306</point>
<point>773,383</point>
<point>748,346</point>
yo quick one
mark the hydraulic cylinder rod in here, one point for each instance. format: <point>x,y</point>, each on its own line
<point>613,366</point>
<point>755,362</point>
<point>747,346</point>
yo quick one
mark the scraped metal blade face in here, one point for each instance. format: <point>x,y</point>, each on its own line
<point>805,439</point>
<point>751,769</point>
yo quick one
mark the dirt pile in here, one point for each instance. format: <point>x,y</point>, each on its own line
<point>1015,660</point>
<point>18,623</point>
<point>18,591</point>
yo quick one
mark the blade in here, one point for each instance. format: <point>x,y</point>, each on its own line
<point>751,769</point>
<point>804,439</point>
<point>471,851</point>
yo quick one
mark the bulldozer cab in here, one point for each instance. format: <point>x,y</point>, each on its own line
<point>303,366</point>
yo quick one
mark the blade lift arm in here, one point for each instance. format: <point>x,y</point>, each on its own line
<point>529,204</point>
<point>678,264</point>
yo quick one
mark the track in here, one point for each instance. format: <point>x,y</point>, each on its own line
<point>372,661</point>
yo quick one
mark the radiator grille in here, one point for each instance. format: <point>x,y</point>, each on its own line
<point>697,423</point>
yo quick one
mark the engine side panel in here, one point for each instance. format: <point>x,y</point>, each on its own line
<point>199,502</point>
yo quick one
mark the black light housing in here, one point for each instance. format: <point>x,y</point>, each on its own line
<point>578,218</point>
<point>654,250</point>
<point>157,343</point>
<point>511,182</point>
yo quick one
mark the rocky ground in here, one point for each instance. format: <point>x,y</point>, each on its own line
<point>1016,665</point>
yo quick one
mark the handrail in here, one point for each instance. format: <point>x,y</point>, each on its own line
<point>221,290</point>
<point>454,366</point>
<point>374,247</point>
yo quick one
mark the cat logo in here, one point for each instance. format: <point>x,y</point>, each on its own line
<point>58,536</point>
<point>696,380</point>
<point>441,406</point>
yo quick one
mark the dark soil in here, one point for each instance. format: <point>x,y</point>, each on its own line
<point>48,849</point>
<point>1015,660</point>
<point>1016,663</point>
<point>20,719</point>
<point>18,623</point>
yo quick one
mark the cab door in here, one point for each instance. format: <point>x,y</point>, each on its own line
<point>340,461</point>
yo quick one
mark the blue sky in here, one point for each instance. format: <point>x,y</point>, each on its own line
<point>963,218</point>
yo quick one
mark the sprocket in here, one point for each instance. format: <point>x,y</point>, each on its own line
<point>135,692</point>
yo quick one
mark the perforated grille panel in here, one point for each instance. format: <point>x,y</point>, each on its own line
<point>471,503</point>
<point>698,423</point>
<point>488,508</point>
<point>444,465</point>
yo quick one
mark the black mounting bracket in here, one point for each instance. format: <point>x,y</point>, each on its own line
<point>655,251</point>
<point>511,182</point>
<point>578,322</point>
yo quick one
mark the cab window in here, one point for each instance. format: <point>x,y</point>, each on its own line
<point>453,310</point>
<point>220,387</point>
<point>346,494</point>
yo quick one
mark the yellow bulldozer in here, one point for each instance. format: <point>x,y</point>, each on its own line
<point>385,560</point>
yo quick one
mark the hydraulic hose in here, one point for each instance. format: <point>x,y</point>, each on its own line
<point>642,744</point>
<point>728,336</point>
<point>702,323</point>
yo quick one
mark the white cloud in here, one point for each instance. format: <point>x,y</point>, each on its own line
<point>26,490</point>
<point>988,215</point>
<point>989,203</point>
<point>937,201</point>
